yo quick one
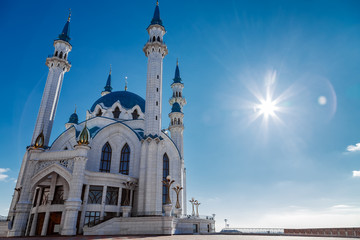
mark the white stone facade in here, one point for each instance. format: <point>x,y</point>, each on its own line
<point>109,167</point>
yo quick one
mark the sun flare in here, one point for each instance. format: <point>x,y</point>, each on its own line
<point>267,108</point>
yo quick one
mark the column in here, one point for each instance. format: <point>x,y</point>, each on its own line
<point>46,222</point>
<point>34,223</point>
<point>103,200</point>
<point>119,202</point>
<point>84,205</point>
<point>73,203</point>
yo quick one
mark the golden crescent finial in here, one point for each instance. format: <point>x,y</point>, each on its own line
<point>177,61</point>
<point>157,2</point>
<point>69,15</point>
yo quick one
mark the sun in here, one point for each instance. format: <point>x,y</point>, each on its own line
<point>267,108</point>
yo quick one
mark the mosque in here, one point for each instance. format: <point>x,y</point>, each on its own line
<point>117,172</point>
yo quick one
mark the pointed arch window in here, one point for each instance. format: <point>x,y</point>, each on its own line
<point>166,172</point>
<point>154,40</point>
<point>125,160</point>
<point>99,113</point>
<point>105,158</point>
<point>56,53</point>
<point>135,114</point>
<point>116,112</point>
<point>65,56</point>
<point>61,54</point>
<point>158,39</point>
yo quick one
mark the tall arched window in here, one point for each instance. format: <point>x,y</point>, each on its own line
<point>135,114</point>
<point>124,160</point>
<point>116,112</point>
<point>99,113</point>
<point>61,54</point>
<point>166,172</point>
<point>105,158</point>
<point>158,38</point>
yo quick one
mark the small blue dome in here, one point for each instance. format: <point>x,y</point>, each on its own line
<point>74,118</point>
<point>127,99</point>
<point>176,107</point>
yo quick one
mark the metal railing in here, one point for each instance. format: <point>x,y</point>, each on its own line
<point>147,214</point>
<point>266,231</point>
<point>98,221</point>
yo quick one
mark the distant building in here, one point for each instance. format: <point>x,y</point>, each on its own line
<point>104,175</point>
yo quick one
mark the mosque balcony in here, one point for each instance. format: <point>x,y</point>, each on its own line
<point>180,100</point>
<point>57,57</point>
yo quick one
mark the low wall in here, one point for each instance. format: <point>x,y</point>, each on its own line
<point>151,226</point>
<point>186,225</point>
<point>326,232</point>
<point>3,228</point>
<point>133,226</point>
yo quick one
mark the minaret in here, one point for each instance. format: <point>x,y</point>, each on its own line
<point>58,64</point>
<point>155,49</point>
<point>176,116</point>
<point>107,88</point>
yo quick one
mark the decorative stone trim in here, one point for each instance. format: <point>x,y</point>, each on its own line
<point>68,164</point>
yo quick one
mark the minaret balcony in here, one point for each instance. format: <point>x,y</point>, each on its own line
<point>180,100</point>
<point>53,55</point>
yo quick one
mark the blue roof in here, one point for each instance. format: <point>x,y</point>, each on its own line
<point>73,118</point>
<point>177,78</point>
<point>176,107</point>
<point>127,99</point>
<point>65,34</point>
<point>156,18</point>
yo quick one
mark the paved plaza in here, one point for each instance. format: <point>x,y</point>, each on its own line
<point>183,237</point>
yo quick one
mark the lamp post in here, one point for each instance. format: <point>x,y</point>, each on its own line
<point>192,201</point>
<point>167,182</point>
<point>177,189</point>
<point>197,207</point>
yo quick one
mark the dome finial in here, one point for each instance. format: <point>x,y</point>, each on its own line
<point>110,69</point>
<point>39,142</point>
<point>126,83</point>
<point>177,61</point>
<point>75,109</point>
<point>84,136</point>
<point>157,2</point>
<point>69,15</point>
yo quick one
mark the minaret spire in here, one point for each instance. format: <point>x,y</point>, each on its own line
<point>65,34</point>
<point>156,18</point>
<point>107,88</point>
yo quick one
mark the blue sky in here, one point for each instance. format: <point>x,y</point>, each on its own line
<point>294,169</point>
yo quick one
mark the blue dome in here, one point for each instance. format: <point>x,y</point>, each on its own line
<point>73,118</point>
<point>176,107</point>
<point>127,100</point>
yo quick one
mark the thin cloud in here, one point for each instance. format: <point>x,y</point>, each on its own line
<point>3,176</point>
<point>353,148</point>
<point>356,173</point>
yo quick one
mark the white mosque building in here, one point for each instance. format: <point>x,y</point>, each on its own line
<point>111,173</point>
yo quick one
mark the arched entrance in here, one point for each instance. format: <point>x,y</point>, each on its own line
<point>50,190</point>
